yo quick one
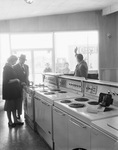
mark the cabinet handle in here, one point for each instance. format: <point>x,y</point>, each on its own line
<point>36,99</point>
<point>45,103</point>
<point>112,127</point>
<point>60,113</point>
<point>78,123</point>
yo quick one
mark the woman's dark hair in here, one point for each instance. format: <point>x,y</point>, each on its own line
<point>12,58</point>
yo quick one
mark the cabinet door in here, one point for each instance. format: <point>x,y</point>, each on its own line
<point>100,141</point>
<point>30,105</point>
<point>37,103</point>
<point>60,129</point>
<point>25,101</point>
<point>79,134</point>
<point>46,117</point>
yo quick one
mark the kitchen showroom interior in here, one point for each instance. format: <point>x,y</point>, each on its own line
<point>59,75</point>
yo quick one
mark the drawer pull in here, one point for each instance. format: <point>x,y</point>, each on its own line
<point>60,113</point>
<point>78,123</point>
<point>45,103</point>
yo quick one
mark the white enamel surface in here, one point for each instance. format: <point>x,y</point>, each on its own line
<point>56,96</point>
<point>108,125</point>
<point>83,113</point>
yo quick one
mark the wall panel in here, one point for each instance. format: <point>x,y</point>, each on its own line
<point>64,22</point>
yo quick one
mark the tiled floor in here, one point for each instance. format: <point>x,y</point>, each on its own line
<point>18,138</point>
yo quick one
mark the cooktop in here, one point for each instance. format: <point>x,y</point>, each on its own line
<point>85,108</point>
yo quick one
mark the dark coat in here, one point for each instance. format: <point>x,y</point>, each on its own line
<point>22,74</point>
<point>10,91</point>
<point>81,69</point>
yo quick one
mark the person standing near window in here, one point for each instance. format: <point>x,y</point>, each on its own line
<point>22,71</point>
<point>81,69</point>
<point>66,69</point>
<point>11,91</point>
<point>47,68</point>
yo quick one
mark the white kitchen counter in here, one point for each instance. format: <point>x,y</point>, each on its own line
<point>108,125</point>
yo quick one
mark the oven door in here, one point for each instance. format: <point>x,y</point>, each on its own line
<point>102,141</point>
<point>79,134</point>
<point>37,103</point>
<point>60,129</point>
<point>46,117</point>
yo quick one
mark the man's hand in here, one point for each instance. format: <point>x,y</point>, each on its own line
<point>76,50</point>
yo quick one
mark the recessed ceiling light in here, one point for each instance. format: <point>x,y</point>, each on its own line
<point>29,1</point>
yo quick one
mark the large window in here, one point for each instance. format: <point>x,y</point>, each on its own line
<point>55,49</point>
<point>41,58</point>
<point>86,43</point>
<point>38,50</point>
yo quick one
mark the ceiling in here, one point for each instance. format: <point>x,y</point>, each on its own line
<point>11,9</point>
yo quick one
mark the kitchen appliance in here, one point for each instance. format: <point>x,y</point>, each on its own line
<point>29,106</point>
<point>106,132</point>
<point>83,111</point>
<point>43,108</point>
<point>44,102</point>
<point>51,80</point>
<point>66,88</point>
<point>91,100</point>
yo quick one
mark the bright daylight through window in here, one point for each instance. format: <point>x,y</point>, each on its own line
<point>86,43</point>
<point>52,49</point>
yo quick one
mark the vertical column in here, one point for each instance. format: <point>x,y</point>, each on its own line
<point>53,52</point>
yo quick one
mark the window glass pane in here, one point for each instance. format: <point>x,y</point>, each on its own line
<point>93,50</point>
<point>25,41</point>
<point>86,43</point>
<point>41,60</point>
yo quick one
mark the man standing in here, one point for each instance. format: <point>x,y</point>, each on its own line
<point>22,71</point>
<point>81,69</point>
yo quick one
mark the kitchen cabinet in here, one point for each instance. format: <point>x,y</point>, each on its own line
<point>43,119</point>
<point>101,141</point>
<point>79,134</point>
<point>28,97</point>
<point>69,133</point>
<point>60,129</point>
<point>25,101</point>
<point>38,105</point>
<point>30,105</point>
<point>46,117</point>
<point>43,115</point>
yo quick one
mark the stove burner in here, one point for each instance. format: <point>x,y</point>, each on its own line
<point>49,93</point>
<point>43,91</point>
<point>82,99</point>
<point>54,90</point>
<point>93,103</point>
<point>62,92</point>
<point>76,105</point>
<point>65,101</point>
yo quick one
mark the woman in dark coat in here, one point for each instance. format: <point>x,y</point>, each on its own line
<point>11,90</point>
